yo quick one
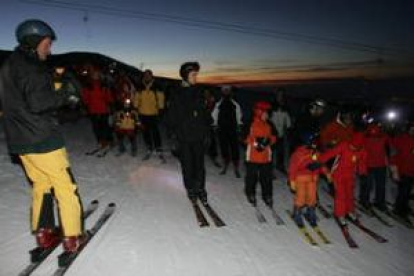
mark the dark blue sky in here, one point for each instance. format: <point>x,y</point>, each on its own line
<point>229,55</point>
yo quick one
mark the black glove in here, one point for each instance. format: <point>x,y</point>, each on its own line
<point>314,166</point>
<point>262,143</point>
<point>259,147</point>
<point>69,98</point>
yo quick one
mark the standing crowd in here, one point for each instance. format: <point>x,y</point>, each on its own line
<point>197,123</point>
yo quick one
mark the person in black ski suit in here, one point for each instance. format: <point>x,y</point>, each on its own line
<point>189,121</point>
<point>30,103</point>
<point>227,118</point>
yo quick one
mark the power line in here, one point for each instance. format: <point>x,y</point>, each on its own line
<point>221,26</point>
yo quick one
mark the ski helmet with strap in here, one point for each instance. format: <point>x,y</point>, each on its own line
<point>31,32</point>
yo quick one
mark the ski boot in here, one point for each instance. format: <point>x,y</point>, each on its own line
<point>382,207</point>
<point>47,237</point>
<point>74,243</point>
<point>236,169</point>
<point>224,170</point>
<point>342,221</point>
<point>202,196</point>
<point>252,200</point>
<point>268,201</point>
<point>215,162</point>
<point>147,156</point>
<point>353,216</point>
<point>121,151</point>
<point>161,156</point>
<point>192,196</point>
<point>367,207</point>
<point>297,217</point>
<point>310,216</point>
<point>237,173</point>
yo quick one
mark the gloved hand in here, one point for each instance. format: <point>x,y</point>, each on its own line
<point>314,166</point>
<point>292,186</point>
<point>261,143</point>
<point>72,101</point>
<point>395,173</point>
<point>139,126</point>
<point>329,178</point>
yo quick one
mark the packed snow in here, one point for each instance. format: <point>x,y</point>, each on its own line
<point>154,230</point>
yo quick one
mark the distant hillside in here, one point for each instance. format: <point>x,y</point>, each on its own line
<point>94,59</point>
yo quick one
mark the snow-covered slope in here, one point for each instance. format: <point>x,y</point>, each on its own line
<point>154,231</point>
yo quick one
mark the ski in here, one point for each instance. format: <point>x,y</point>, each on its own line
<point>405,222</point>
<point>381,219</point>
<point>66,259</point>
<point>259,215</point>
<point>147,156</point>
<point>411,212</point>
<point>319,232</point>
<point>276,217</point>
<point>201,219</point>
<point>325,213</point>
<point>367,212</point>
<point>366,230</point>
<point>371,212</point>
<point>321,235</point>
<point>104,152</point>
<point>38,254</point>
<point>214,216</point>
<point>345,232</point>
<point>304,231</point>
<point>94,151</point>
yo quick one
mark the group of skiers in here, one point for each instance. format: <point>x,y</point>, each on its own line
<point>346,156</point>
<point>194,119</point>
<point>124,109</point>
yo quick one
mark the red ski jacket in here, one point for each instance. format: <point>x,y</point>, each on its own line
<point>376,150</point>
<point>403,159</point>
<point>259,128</point>
<point>347,161</point>
<point>97,99</point>
<point>334,133</point>
<point>300,159</point>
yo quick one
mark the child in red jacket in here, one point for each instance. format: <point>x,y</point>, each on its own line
<point>350,159</point>
<point>259,155</point>
<point>376,143</point>
<point>303,172</point>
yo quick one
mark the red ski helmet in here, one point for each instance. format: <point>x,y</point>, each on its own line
<point>261,107</point>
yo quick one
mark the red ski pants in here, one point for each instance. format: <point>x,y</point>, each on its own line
<point>344,195</point>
